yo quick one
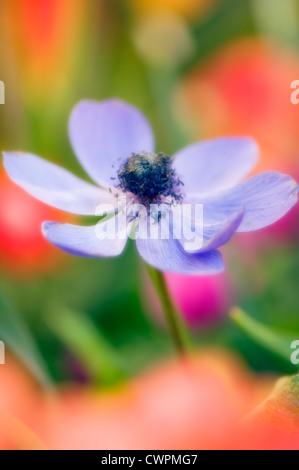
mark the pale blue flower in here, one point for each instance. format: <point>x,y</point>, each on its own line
<point>115,145</point>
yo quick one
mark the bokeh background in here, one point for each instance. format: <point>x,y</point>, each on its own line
<point>198,69</point>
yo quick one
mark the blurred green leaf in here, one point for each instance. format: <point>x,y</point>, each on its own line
<point>280,23</point>
<point>16,335</point>
<point>87,344</point>
<point>232,19</point>
<point>277,343</point>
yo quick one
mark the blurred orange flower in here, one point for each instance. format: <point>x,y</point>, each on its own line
<point>184,8</point>
<point>275,423</point>
<point>195,404</point>
<point>40,36</point>
<point>19,395</point>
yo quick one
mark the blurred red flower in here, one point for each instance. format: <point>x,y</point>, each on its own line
<point>23,249</point>
<point>245,89</point>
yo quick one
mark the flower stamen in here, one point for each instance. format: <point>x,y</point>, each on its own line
<point>150,177</point>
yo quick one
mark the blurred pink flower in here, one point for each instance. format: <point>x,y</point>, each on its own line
<point>201,299</point>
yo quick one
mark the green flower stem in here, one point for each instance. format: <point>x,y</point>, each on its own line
<point>175,323</point>
<point>276,342</point>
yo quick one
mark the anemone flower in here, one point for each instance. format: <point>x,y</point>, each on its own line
<point>180,210</point>
<point>115,145</point>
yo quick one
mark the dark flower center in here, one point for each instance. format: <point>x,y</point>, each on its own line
<point>150,177</point>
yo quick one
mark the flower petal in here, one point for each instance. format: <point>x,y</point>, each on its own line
<point>104,134</point>
<point>87,241</point>
<point>54,185</point>
<point>219,234</point>
<point>217,164</point>
<point>167,254</point>
<point>197,237</point>
<point>265,197</point>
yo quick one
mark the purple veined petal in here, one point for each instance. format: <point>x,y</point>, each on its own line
<point>265,197</point>
<point>88,241</point>
<point>217,164</point>
<point>54,185</point>
<point>104,134</point>
<point>196,236</point>
<point>167,254</point>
